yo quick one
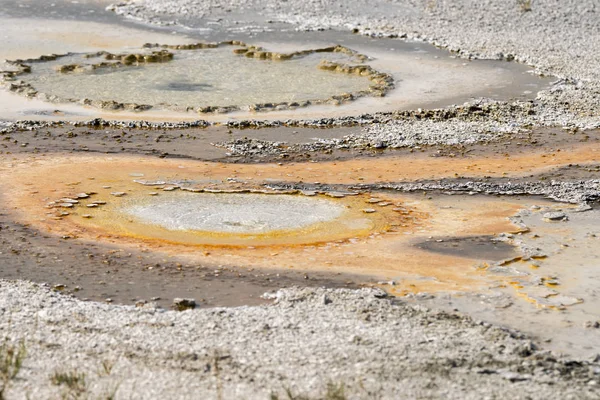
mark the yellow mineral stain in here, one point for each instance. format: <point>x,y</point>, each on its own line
<point>537,304</point>
<point>352,223</point>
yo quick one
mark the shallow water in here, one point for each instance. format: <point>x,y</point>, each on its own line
<point>199,78</point>
<point>424,77</point>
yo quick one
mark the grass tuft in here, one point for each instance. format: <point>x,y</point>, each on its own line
<point>73,380</point>
<point>525,5</point>
<point>11,361</point>
<point>333,392</point>
<point>106,367</point>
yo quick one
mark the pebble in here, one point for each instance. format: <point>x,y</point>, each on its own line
<point>118,194</point>
<point>140,303</point>
<point>592,324</point>
<point>583,208</point>
<point>369,210</point>
<point>555,216</point>
<point>180,304</point>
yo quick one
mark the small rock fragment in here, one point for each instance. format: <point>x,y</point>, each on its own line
<point>180,304</point>
<point>140,303</point>
<point>583,208</point>
<point>592,324</point>
<point>555,216</point>
<point>68,200</point>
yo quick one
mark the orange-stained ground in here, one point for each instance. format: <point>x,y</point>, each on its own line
<point>30,182</point>
<point>382,169</point>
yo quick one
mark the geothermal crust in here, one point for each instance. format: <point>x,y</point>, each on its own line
<point>16,79</point>
<point>369,345</point>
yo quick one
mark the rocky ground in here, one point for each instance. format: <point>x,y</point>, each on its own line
<point>311,342</point>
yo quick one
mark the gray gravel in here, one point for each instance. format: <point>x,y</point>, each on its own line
<point>308,338</point>
<point>413,133</point>
<point>578,192</point>
<point>398,131</point>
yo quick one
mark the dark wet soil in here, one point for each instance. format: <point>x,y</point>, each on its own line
<point>192,143</point>
<point>486,248</point>
<point>99,272</point>
<point>197,143</point>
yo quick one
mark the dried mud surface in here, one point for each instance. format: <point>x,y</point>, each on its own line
<point>101,272</point>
